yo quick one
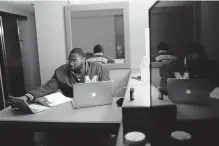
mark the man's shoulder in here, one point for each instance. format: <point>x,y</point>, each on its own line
<point>173,65</point>
<point>164,56</point>
<point>101,56</point>
<point>62,68</point>
<point>96,66</point>
<point>98,58</point>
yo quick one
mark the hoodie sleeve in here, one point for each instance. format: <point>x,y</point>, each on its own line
<point>48,88</point>
<point>165,73</point>
<point>104,73</point>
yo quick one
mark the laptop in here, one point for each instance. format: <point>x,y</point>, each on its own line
<point>24,107</point>
<point>193,91</point>
<point>92,94</point>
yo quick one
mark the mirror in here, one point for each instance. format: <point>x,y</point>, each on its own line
<point>106,30</point>
<point>171,33</point>
<point>101,30</point>
<point>186,30</point>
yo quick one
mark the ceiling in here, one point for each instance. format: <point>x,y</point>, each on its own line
<point>26,6</point>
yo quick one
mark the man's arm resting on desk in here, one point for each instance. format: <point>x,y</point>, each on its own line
<point>50,87</point>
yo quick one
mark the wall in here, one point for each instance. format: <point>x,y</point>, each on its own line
<point>209,28</point>
<point>89,32</point>
<point>196,13</point>
<point>51,33</point>
<point>51,36</point>
<point>29,54</point>
<point>173,25</point>
<point>138,21</point>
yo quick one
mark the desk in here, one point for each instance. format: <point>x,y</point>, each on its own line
<point>202,119</point>
<point>184,111</point>
<point>65,116</point>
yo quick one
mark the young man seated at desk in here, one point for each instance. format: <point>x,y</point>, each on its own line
<point>99,56</point>
<point>77,70</point>
<point>194,65</point>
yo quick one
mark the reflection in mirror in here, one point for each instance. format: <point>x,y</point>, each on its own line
<point>100,33</point>
<point>183,58</point>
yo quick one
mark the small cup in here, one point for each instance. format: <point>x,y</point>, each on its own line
<point>135,138</point>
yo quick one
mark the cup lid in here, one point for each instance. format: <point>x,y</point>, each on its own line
<point>134,137</point>
<point>181,135</point>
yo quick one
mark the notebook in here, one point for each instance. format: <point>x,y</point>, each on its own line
<point>23,106</point>
<point>53,99</point>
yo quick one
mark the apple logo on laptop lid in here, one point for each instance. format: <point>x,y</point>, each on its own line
<point>94,94</point>
<point>188,92</point>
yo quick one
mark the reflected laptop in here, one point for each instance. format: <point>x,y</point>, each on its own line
<point>92,94</point>
<point>24,107</point>
<point>193,91</point>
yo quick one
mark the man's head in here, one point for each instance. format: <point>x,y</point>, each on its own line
<point>195,56</point>
<point>76,59</point>
<point>98,49</point>
<point>162,46</point>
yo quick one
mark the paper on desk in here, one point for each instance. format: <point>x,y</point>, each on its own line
<point>38,107</point>
<point>57,98</point>
<point>215,93</point>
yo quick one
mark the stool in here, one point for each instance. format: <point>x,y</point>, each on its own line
<point>135,138</point>
<point>180,138</point>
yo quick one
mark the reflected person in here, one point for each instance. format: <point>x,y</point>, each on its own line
<point>99,56</point>
<point>164,55</point>
<point>194,65</point>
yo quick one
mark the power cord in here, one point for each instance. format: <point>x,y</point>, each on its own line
<point>119,90</point>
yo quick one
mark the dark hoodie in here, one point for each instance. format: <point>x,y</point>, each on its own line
<point>63,80</point>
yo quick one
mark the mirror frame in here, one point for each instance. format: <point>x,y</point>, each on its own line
<point>102,6</point>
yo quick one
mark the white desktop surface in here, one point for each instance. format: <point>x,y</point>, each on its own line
<point>65,113</point>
